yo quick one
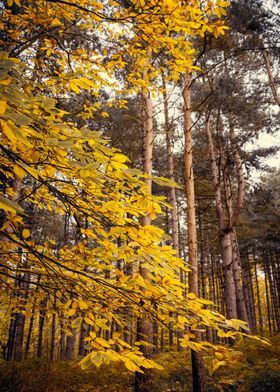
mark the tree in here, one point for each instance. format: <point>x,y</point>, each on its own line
<point>61,169</point>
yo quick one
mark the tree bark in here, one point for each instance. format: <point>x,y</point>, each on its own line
<point>198,370</point>
<point>53,327</point>
<point>42,315</point>
<point>271,81</point>
<point>258,295</point>
<point>172,190</point>
<point>11,338</point>
<point>20,317</point>
<point>144,325</point>
<point>225,232</point>
<point>240,303</point>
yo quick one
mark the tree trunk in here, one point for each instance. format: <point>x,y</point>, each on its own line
<point>62,339</point>
<point>53,327</point>
<point>145,325</point>
<point>212,292</point>
<point>172,190</point>
<point>248,292</point>
<point>271,81</point>
<point>240,303</point>
<point>275,310</point>
<point>19,321</point>
<point>258,296</point>
<point>70,343</point>
<point>198,370</point>
<point>267,296</point>
<point>11,338</point>
<point>30,330</point>
<point>229,289</point>
<point>20,317</point>
<point>42,315</point>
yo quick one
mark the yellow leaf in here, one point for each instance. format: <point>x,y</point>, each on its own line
<point>8,132</point>
<point>25,233</point>
<point>9,205</point>
<point>19,172</point>
<point>68,303</point>
<point>49,170</point>
<point>120,158</point>
<point>131,365</point>
<point>216,364</point>
<point>102,342</point>
<point>92,334</point>
<point>89,321</point>
<point>86,362</point>
<point>222,334</point>
<point>55,22</point>
<point>77,322</point>
<point>102,324</point>
<point>83,305</point>
<point>96,359</point>
<point>6,82</point>
<point>219,355</point>
<point>3,106</point>
<point>74,87</point>
<point>71,312</point>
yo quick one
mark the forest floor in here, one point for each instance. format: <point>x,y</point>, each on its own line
<point>258,371</point>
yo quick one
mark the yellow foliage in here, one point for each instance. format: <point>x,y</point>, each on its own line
<point>73,171</point>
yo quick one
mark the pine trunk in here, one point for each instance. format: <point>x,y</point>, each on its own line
<point>145,325</point>
<point>172,190</point>
<point>198,370</point>
<point>260,314</point>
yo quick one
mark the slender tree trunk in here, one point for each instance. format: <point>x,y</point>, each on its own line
<point>248,292</point>
<point>271,81</point>
<point>20,321</point>
<point>30,330</point>
<point>267,295</point>
<point>172,190</point>
<point>170,170</point>
<point>70,346</point>
<point>275,278</point>
<point>224,232</point>
<point>229,289</point>
<point>161,339</point>
<point>275,310</point>
<point>212,292</point>
<point>20,318</point>
<point>62,339</point>
<point>240,303</point>
<point>53,328</point>
<point>258,296</point>
<point>11,338</point>
<point>277,275</point>
<point>81,349</point>
<point>198,370</point>
<point>144,325</point>
<point>42,315</point>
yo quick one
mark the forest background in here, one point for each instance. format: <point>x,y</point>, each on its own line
<point>139,219</point>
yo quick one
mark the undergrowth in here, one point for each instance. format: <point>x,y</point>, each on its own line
<point>258,371</point>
